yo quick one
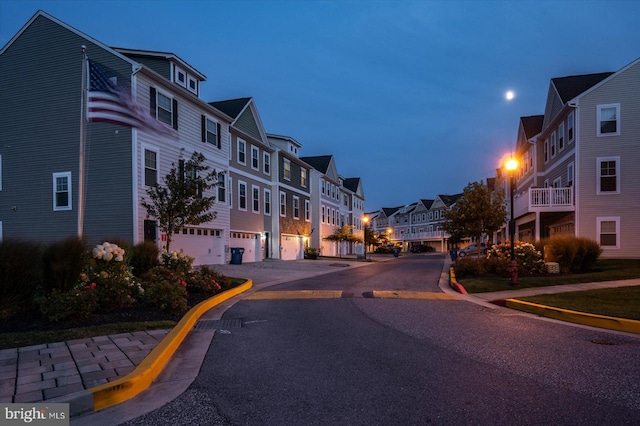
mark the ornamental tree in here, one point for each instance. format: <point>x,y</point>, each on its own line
<point>478,211</point>
<point>181,200</point>
<point>344,233</point>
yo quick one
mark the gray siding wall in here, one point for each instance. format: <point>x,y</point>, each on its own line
<point>624,89</point>
<point>247,123</point>
<point>40,85</point>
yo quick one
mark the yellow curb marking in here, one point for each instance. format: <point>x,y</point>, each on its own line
<point>144,374</point>
<point>594,320</point>
<point>297,294</point>
<point>421,295</point>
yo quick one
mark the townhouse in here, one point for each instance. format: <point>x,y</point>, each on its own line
<point>89,177</point>
<point>579,172</point>
<point>251,181</point>
<point>294,198</point>
<point>97,195</point>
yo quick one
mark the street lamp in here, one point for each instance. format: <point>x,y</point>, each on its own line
<point>365,219</point>
<point>511,166</point>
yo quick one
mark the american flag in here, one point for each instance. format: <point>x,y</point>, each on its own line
<point>108,103</point>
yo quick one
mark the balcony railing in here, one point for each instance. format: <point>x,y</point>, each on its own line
<point>544,199</point>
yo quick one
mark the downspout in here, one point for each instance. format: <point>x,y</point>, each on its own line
<point>576,166</point>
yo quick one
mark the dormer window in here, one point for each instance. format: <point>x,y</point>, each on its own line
<point>180,77</point>
<point>193,85</point>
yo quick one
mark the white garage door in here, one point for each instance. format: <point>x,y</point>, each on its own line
<point>206,246</point>
<point>250,243</point>
<point>291,247</point>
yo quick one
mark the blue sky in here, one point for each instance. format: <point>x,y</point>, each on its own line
<point>407,95</point>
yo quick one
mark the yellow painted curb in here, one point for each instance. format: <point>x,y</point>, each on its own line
<point>295,294</point>
<point>594,320</point>
<point>421,295</point>
<point>132,384</point>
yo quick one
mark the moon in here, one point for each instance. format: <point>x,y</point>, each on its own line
<point>509,95</point>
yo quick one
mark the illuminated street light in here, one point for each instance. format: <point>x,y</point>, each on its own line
<point>365,219</point>
<point>512,165</point>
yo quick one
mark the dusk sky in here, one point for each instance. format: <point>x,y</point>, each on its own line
<point>407,95</point>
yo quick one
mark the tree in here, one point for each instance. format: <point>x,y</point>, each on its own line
<point>478,211</point>
<point>181,201</point>
<point>344,233</point>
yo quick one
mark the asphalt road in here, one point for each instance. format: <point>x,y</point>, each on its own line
<point>364,361</point>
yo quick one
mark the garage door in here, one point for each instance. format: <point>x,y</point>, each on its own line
<point>206,246</point>
<point>250,243</point>
<point>291,247</point>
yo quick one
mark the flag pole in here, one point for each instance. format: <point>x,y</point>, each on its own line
<point>83,120</point>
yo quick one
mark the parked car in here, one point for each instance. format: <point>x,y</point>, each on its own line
<point>472,250</point>
<point>421,248</point>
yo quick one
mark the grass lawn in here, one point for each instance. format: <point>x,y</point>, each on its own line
<point>622,302</point>
<point>604,270</point>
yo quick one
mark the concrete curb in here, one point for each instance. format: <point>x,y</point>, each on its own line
<point>576,317</point>
<point>132,384</point>
<point>594,320</point>
<point>454,284</point>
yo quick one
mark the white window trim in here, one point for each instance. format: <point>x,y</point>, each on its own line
<point>618,121</point>
<point>243,143</point>
<point>571,174</point>
<point>166,95</point>
<point>256,150</point>
<point>286,162</point>
<point>304,177</point>
<point>216,136</point>
<point>553,144</point>
<point>253,200</point>
<point>307,211</point>
<point>571,124</point>
<point>144,166</point>
<point>69,189</point>
<point>267,201</point>
<point>230,191</point>
<point>545,151</point>
<point>266,160</point>
<point>195,88</point>
<point>599,160</point>
<point>283,202</point>
<point>241,183</point>
<point>599,221</point>
<point>561,136</point>
<point>296,201</point>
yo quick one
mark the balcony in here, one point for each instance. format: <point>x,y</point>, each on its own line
<point>544,200</point>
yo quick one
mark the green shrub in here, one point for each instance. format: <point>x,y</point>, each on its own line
<point>19,275</point>
<point>497,266</point>
<point>62,264</point>
<point>468,267</point>
<point>144,256</point>
<point>164,289</point>
<point>76,304</point>
<point>574,254</point>
<point>311,253</point>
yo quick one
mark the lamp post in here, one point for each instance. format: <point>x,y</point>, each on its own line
<point>511,166</point>
<point>364,235</point>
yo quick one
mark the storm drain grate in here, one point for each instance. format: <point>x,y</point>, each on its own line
<point>205,325</point>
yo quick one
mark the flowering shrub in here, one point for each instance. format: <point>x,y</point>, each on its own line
<point>115,285</point>
<point>529,259</point>
<point>177,261</point>
<point>204,280</point>
<point>164,289</point>
<point>76,304</point>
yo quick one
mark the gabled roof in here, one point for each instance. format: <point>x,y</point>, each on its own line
<point>571,86</point>
<point>532,125</point>
<point>231,107</point>
<point>319,162</point>
<point>164,55</point>
<point>427,203</point>
<point>351,184</point>
<point>449,200</point>
<point>388,211</point>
